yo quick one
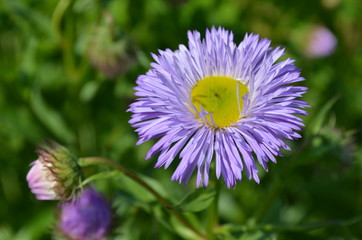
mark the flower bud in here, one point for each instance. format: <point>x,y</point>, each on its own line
<point>55,175</point>
<point>109,53</point>
<point>87,217</point>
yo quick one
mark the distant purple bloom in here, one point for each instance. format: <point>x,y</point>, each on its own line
<point>321,43</point>
<point>86,218</point>
<point>216,99</point>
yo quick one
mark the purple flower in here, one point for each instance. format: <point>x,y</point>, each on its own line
<point>86,218</point>
<point>321,43</point>
<point>55,175</point>
<point>218,100</point>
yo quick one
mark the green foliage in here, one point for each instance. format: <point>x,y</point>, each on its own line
<point>196,201</point>
<point>51,89</point>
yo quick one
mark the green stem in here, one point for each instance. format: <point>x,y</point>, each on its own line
<point>277,184</point>
<point>58,14</point>
<point>213,220</point>
<point>165,203</point>
<point>63,14</point>
<point>269,199</point>
<point>67,45</point>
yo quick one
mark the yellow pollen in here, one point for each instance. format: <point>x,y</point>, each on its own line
<point>221,97</point>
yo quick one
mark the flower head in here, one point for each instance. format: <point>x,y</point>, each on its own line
<point>110,54</point>
<point>88,217</point>
<point>55,175</point>
<point>320,43</point>
<point>216,99</point>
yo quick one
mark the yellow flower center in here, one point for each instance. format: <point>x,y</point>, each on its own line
<point>221,97</point>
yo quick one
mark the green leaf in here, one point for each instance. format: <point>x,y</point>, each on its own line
<point>6,233</point>
<point>183,231</point>
<point>51,118</point>
<point>101,175</point>
<point>36,227</point>
<point>319,120</point>
<point>89,90</point>
<point>259,235</point>
<point>196,201</point>
<point>135,189</point>
<point>162,216</point>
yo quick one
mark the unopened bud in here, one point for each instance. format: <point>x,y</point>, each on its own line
<point>55,175</point>
<point>87,217</point>
<point>110,54</point>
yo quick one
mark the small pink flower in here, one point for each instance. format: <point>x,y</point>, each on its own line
<point>41,182</point>
<point>55,175</point>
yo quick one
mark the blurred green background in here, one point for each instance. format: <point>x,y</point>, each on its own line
<point>67,72</point>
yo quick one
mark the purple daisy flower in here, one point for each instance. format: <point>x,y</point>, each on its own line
<point>86,218</point>
<point>216,99</point>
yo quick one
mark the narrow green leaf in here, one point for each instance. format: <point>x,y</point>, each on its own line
<point>101,175</point>
<point>162,216</point>
<point>89,90</point>
<point>51,118</point>
<point>318,121</point>
<point>183,231</point>
<point>196,201</point>
<point>136,190</point>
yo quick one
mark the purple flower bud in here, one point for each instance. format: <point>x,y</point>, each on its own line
<point>55,175</point>
<point>86,218</point>
<point>321,43</point>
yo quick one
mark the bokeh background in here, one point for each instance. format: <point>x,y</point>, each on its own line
<point>67,72</point>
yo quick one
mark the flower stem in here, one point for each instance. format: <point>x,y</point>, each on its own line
<point>65,34</point>
<point>164,202</point>
<point>213,220</point>
<point>58,14</point>
<point>277,184</point>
